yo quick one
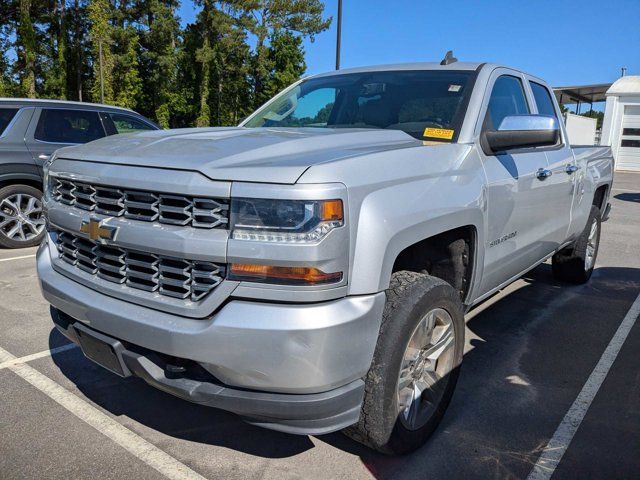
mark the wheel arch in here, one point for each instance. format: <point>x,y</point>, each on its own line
<point>30,179</point>
<point>437,233</point>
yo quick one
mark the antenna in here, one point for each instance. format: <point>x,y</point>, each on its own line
<point>448,58</point>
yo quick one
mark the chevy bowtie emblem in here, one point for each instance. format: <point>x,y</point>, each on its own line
<point>97,231</point>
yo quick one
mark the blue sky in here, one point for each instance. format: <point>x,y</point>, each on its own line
<point>564,42</point>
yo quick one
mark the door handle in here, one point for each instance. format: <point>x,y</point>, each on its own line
<point>543,174</point>
<point>571,169</point>
<point>43,156</point>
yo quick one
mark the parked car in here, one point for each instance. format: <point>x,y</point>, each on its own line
<point>30,131</point>
<point>310,270</point>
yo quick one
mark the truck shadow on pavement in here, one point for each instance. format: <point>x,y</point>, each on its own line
<point>528,355</point>
<point>628,197</point>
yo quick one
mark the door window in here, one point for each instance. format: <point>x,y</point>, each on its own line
<point>6,115</point>
<point>68,126</point>
<point>507,98</point>
<point>128,124</point>
<point>543,100</point>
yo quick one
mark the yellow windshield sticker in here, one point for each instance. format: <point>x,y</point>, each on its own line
<point>438,133</point>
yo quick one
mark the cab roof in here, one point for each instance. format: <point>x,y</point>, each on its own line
<point>406,66</point>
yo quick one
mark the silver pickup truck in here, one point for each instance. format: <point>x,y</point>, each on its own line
<point>310,269</point>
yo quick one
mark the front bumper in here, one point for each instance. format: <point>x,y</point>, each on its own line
<point>296,368</point>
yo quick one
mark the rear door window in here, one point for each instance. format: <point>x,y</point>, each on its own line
<point>507,98</point>
<point>128,124</point>
<point>543,99</point>
<point>68,126</point>
<point>6,115</point>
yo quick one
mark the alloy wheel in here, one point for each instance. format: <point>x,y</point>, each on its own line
<point>592,243</point>
<point>426,364</point>
<point>21,217</point>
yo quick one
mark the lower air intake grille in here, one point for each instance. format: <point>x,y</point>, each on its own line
<point>174,277</point>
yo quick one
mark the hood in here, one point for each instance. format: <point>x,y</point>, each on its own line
<point>272,155</point>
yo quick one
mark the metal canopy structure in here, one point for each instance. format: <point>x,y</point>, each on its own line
<point>581,94</point>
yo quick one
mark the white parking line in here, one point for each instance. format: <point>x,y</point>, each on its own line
<point>133,443</point>
<point>557,446</point>
<point>35,356</point>
<point>16,258</point>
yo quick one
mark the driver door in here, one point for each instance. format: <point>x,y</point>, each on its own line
<point>515,195</point>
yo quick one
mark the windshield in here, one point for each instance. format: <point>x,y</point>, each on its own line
<point>426,104</point>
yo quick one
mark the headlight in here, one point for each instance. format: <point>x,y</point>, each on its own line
<point>286,221</point>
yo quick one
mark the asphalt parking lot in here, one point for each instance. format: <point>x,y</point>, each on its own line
<point>530,351</point>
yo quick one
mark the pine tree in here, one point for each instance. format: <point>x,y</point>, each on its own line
<point>204,55</point>
<point>5,73</point>
<point>266,19</point>
<point>160,38</point>
<point>55,63</point>
<point>286,56</point>
<point>101,36</point>
<point>214,71</point>
<point>78,50</point>
<point>127,84</point>
<point>26,46</point>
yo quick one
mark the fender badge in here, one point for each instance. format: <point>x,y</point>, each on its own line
<point>502,239</point>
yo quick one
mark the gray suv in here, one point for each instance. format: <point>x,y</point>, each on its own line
<point>30,131</point>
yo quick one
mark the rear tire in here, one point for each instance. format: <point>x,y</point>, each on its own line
<point>21,219</point>
<point>575,264</point>
<point>418,307</point>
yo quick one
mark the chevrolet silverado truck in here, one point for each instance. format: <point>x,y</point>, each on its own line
<point>310,269</point>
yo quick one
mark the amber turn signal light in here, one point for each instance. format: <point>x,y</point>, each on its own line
<point>283,275</point>
<point>331,210</point>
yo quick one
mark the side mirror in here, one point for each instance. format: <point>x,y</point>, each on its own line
<point>523,131</point>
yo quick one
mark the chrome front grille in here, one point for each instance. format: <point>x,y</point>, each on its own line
<point>174,277</point>
<point>184,210</point>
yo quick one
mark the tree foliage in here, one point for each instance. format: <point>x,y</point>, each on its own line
<point>137,54</point>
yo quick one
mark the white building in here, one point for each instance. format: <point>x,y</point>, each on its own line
<point>621,126</point>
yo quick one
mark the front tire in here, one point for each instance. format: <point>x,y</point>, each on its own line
<point>415,365</point>
<point>21,218</point>
<point>575,264</point>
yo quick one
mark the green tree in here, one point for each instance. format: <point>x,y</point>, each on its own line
<point>224,90</point>
<point>286,56</point>
<point>160,39</point>
<point>214,71</point>
<point>127,84</point>
<point>26,50</point>
<point>266,18</point>
<point>5,44</point>
<point>100,13</point>
<point>77,50</point>
<point>55,72</point>
<point>205,56</point>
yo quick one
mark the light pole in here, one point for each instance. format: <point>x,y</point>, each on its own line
<point>339,35</point>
